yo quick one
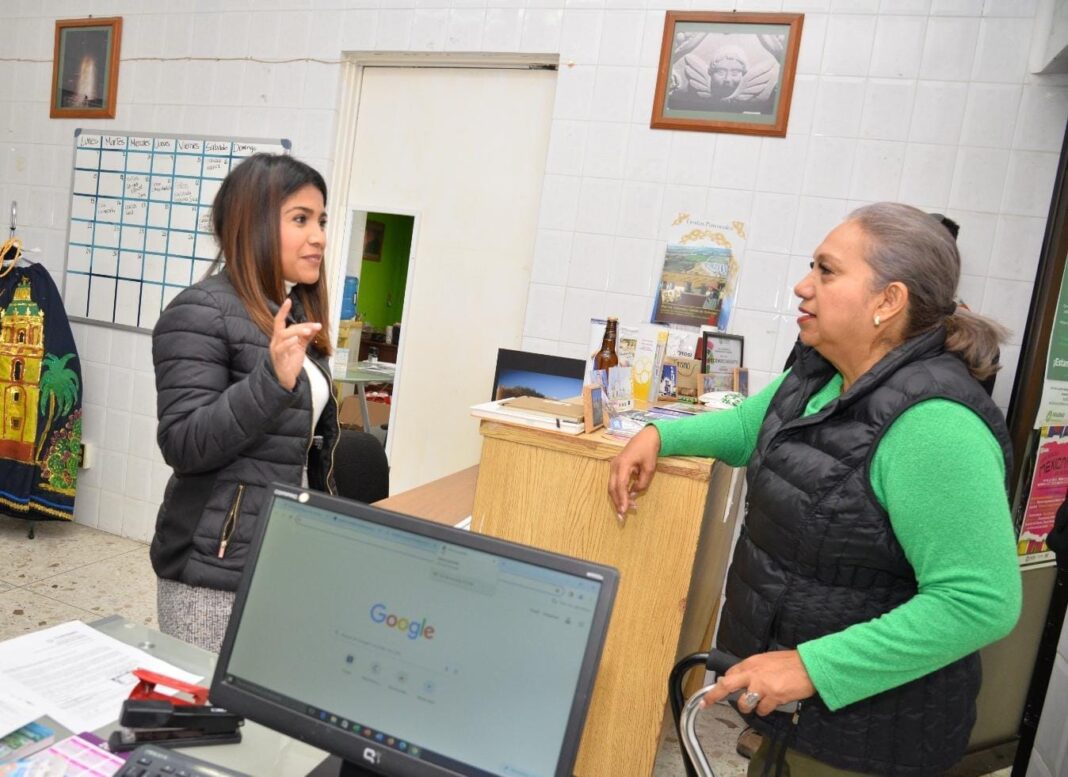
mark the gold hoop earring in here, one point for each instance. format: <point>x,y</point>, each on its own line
<point>877,320</point>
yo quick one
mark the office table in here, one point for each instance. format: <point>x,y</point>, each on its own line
<point>362,373</point>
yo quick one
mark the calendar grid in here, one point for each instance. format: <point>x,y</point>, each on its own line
<point>140,228</point>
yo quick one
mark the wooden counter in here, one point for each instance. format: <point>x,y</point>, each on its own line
<point>550,490</point>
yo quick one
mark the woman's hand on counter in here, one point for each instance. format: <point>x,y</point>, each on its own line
<point>632,470</point>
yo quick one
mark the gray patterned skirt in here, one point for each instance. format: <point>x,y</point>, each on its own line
<point>193,614</point>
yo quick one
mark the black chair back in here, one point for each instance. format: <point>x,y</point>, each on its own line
<point>361,468</point>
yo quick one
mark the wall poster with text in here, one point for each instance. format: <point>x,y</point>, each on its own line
<point>1054,406</point>
<point>1049,484</point>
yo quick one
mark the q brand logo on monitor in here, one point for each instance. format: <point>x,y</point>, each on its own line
<point>413,629</point>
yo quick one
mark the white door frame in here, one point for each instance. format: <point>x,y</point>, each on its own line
<point>338,230</point>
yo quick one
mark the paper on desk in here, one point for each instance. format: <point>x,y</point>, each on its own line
<point>379,366</point>
<point>16,711</point>
<point>75,674</point>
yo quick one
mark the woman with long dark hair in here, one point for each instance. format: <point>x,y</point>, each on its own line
<point>243,384</point>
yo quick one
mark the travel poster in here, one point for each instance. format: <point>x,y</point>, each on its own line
<point>699,279</point>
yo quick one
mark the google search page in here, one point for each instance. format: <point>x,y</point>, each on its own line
<point>448,649</point>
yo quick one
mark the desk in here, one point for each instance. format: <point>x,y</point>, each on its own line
<point>262,752</point>
<point>550,490</point>
<point>362,373</point>
<point>446,500</point>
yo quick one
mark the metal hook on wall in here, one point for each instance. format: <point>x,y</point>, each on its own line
<point>14,215</point>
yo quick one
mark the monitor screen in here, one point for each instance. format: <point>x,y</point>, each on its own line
<point>524,374</point>
<point>410,648</point>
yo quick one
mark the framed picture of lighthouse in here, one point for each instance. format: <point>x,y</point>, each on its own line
<point>85,68</point>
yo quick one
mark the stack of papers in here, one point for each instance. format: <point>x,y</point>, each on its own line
<point>631,422</point>
<point>389,367</point>
<point>501,410</point>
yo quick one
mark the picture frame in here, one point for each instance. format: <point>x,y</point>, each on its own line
<point>727,72</point>
<point>523,373</point>
<point>592,407</point>
<point>374,233</point>
<point>721,356</point>
<point>85,68</point>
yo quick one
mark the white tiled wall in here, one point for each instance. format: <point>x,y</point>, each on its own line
<point>926,101</point>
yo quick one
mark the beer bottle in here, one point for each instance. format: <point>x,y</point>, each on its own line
<point>606,357</point>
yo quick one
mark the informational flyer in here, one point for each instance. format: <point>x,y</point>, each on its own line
<point>700,276</point>
<point>1054,407</point>
<point>75,674</point>
<point>1049,486</point>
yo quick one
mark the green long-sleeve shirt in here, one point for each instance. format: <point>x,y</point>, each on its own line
<point>939,473</point>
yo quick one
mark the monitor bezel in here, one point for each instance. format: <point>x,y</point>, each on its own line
<point>542,363</point>
<point>354,747</point>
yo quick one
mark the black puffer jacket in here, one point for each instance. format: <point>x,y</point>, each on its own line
<point>228,428</point>
<point>818,554</point>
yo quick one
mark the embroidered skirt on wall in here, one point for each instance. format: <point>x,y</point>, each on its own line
<point>40,398</point>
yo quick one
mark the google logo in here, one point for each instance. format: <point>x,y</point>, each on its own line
<point>413,628</point>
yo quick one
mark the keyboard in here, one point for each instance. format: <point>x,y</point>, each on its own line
<point>153,761</point>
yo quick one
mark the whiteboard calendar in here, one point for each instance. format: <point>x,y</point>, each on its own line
<point>140,219</point>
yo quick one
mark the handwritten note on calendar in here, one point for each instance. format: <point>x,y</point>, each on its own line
<point>140,219</point>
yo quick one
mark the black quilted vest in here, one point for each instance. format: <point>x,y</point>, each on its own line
<point>818,554</point>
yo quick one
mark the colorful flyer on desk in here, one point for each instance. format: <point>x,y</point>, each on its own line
<point>83,755</point>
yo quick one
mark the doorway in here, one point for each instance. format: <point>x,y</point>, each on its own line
<point>462,150</point>
<point>376,277</point>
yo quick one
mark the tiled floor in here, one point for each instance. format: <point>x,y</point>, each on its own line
<point>73,572</point>
<point>70,572</point>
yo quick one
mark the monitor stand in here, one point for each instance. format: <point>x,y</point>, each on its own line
<point>337,767</point>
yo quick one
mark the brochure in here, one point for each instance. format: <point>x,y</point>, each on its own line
<point>699,279</point>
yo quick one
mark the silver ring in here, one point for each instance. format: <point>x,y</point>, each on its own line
<point>751,699</point>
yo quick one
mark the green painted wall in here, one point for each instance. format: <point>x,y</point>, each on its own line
<point>381,296</point>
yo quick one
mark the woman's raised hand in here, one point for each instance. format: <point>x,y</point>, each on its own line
<point>632,470</point>
<point>288,345</point>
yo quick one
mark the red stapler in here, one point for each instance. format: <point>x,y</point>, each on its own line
<point>146,689</point>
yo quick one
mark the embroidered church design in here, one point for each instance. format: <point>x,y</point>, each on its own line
<point>21,356</point>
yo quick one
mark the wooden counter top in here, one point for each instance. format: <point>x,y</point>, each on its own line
<point>595,445</point>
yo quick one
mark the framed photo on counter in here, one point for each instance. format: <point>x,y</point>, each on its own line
<point>723,354</point>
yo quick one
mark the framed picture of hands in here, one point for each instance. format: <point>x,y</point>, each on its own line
<point>727,72</point>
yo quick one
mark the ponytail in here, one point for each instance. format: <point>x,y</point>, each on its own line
<point>975,339</point>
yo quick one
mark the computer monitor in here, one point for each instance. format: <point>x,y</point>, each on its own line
<point>410,648</point>
<point>525,374</point>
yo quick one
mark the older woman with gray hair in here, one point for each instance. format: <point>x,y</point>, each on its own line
<point>878,553</point>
